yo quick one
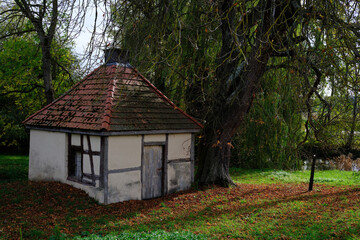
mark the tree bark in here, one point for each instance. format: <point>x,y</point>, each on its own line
<point>216,146</point>
<point>46,38</point>
<point>311,182</point>
<point>47,76</point>
<point>350,140</point>
<point>244,73</point>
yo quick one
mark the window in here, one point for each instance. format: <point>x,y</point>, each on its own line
<point>75,164</point>
<point>83,161</point>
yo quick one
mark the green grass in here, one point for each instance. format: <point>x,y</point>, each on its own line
<point>158,234</point>
<point>331,177</point>
<point>13,168</point>
<point>259,208</point>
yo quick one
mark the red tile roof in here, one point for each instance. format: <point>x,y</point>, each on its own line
<point>113,98</point>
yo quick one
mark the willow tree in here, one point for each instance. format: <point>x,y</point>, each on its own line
<point>226,45</point>
<point>218,52</point>
<point>328,58</point>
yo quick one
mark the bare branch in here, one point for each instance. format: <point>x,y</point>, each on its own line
<point>22,90</point>
<point>19,33</point>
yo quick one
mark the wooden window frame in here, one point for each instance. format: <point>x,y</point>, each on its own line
<point>84,178</point>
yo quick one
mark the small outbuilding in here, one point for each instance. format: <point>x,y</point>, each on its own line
<point>114,135</point>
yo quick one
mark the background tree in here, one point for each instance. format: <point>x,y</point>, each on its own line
<point>263,65</point>
<point>221,55</point>
<point>244,35</point>
<point>21,86</point>
<point>273,127</point>
<point>331,48</point>
<point>51,21</point>
<point>37,63</point>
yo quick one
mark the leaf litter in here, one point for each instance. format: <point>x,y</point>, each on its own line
<point>37,208</point>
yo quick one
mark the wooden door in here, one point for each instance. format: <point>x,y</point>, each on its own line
<point>152,172</point>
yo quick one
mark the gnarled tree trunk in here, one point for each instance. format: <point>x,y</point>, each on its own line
<point>215,149</point>
<point>242,63</point>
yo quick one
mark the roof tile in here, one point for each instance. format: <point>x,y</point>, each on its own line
<point>113,98</point>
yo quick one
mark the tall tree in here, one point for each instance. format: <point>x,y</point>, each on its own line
<point>21,88</point>
<point>247,46</point>
<point>219,51</point>
<point>50,20</point>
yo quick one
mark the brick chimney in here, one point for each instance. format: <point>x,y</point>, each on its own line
<point>116,55</point>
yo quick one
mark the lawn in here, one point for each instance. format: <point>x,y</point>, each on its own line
<point>264,205</point>
<point>13,168</point>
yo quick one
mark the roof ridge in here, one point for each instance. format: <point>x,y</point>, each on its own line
<point>105,124</point>
<point>160,94</point>
<point>61,97</point>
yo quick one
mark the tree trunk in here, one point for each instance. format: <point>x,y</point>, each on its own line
<point>47,76</point>
<point>350,140</point>
<point>215,149</point>
<point>238,80</point>
<point>215,170</point>
<point>46,38</point>
<point>311,182</point>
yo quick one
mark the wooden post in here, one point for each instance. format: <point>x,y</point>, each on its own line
<point>82,156</point>
<point>91,160</point>
<point>165,158</point>
<point>104,151</point>
<point>311,183</point>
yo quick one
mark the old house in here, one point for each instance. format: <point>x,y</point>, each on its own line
<point>114,135</point>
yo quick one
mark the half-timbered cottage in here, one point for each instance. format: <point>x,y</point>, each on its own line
<point>114,135</point>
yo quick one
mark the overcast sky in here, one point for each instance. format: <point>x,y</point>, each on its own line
<point>82,41</point>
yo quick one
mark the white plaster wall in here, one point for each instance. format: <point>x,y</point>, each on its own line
<point>87,166</point>
<point>48,159</point>
<point>124,186</point>
<point>179,176</point>
<point>155,138</point>
<point>75,139</point>
<point>94,192</point>
<point>94,140</point>
<point>124,152</point>
<point>48,156</point>
<point>179,146</point>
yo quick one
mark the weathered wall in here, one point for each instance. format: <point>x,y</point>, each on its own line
<point>155,138</point>
<point>95,142</point>
<point>94,192</point>
<point>48,161</point>
<point>179,146</point>
<point>124,186</point>
<point>124,152</point>
<point>124,168</point>
<point>48,156</point>
<point>179,162</point>
<point>179,176</point>
<point>87,164</point>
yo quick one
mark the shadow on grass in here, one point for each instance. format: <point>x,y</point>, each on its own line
<point>37,207</point>
<point>40,207</point>
<point>244,211</point>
